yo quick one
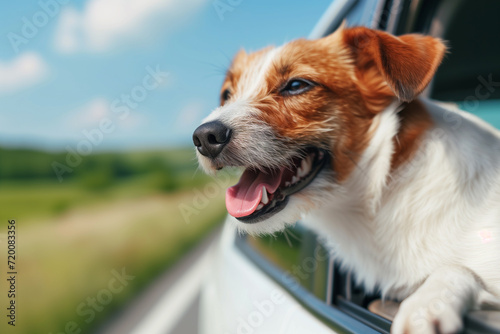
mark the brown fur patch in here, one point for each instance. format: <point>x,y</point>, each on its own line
<point>358,72</point>
<point>332,115</point>
<point>407,63</point>
<point>415,121</point>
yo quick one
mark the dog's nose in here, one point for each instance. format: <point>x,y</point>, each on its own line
<point>210,138</point>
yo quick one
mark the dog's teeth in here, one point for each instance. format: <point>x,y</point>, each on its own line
<point>294,179</point>
<point>300,172</point>
<point>264,199</point>
<point>260,206</point>
<point>287,183</point>
<point>305,167</point>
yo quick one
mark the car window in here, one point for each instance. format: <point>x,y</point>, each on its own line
<point>301,257</point>
<point>470,71</point>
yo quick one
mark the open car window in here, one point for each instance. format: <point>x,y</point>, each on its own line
<point>470,73</point>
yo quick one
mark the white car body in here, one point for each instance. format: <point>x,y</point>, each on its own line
<point>239,298</point>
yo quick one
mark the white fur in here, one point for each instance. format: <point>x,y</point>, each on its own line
<point>435,220</point>
<point>441,210</point>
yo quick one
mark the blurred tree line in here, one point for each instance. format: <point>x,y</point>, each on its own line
<point>167,171</point>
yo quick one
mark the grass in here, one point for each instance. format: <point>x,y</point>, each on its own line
<point>64,260</point>
<point>41,199</point>
<point>71,236</point>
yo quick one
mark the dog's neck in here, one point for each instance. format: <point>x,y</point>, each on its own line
<point>396,137</point>
<point>372,174</point>
<point>357,202</point>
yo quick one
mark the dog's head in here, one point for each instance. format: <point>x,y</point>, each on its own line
<point>298,117</point>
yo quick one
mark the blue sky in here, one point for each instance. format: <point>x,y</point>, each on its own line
<point>64,63</point>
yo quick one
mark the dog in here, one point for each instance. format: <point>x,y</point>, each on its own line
<point>406,190</point>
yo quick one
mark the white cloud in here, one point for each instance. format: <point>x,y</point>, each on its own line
<point>191,114</point>
<point>67,31</point>
<point>105,24</point>
<point>90,114</point>
<point>26,70</point>
<point>93,112</point>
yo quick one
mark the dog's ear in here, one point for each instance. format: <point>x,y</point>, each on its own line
<point>407,63</point>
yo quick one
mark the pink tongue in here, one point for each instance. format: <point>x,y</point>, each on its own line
<point>243,198</point>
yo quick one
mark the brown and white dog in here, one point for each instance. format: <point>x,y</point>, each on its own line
<point>406,191</point>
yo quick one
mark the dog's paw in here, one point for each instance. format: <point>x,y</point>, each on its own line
<point>417,316</point>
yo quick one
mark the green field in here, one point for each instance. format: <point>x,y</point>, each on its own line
<point>115,211</point>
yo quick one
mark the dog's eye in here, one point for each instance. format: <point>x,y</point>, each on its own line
<point>226,94</point>
<point>296,87</point>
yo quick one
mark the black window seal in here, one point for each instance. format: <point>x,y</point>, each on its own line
<point>364,315</point>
